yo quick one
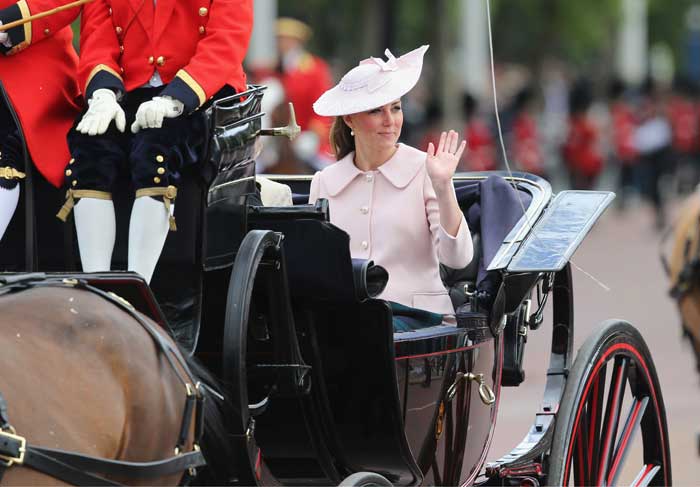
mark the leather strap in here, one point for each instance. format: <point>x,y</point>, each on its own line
<point>74,467</point>
<point>79,469</point>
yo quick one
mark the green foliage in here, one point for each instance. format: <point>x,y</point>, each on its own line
<point>575,30</point>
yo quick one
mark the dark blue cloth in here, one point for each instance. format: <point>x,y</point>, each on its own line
<point>492,210</point>
<point>99,159</point>
<point>11,146</point>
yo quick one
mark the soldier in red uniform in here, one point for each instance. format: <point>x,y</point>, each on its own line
<point>479,139</point>
<point>682,116</point>
<point>526,144</point>
<point>581,149</point>
<point>305,78</point>
<point>624,125</point>
<point>146,68</point>
<point>40,85</point>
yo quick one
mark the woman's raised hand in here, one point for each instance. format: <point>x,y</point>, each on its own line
<point>442,163</point>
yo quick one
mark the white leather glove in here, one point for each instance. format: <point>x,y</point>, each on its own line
<point>103,108</point>
<point>151,113</point>
<point>4,37</point>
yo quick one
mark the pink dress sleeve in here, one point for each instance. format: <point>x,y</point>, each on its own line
<point>455,252</point>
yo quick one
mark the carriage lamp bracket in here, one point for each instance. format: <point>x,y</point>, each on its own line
<point>535,320</point>
<point>10,438</point>
<point>485,392</point>
<point>290,131</point>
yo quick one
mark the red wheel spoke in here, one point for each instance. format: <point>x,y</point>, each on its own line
<point>596,412</point>
<point>581,462</point>
<point>612,417</point>
<point>634,417</point>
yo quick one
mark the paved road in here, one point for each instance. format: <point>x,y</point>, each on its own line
<point>622,252</point>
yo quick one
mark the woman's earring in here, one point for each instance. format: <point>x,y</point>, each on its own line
<point>352,133</point>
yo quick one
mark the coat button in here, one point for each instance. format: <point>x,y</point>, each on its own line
<point>160,61</point>
<point>369,178</point>
<point>121,49</point>
<point>364,210</point>
<point>118,29</point>
<point>202,30</point>
<point>68,172</point>
<point>151,60</point>
<point>47,31</point>
<point>71,161</point>
<point>203,12</point>
<point>110,11</point>
<point>74,183</point>
<point>365,245</point>
<point>156,180</point>
<point>160,170</point>
<point>160,158</point>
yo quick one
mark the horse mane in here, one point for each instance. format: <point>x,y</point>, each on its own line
<point>217,448</point>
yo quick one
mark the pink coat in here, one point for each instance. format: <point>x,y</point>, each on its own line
<point>393,218</point>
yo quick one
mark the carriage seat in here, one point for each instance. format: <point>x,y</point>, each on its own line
<point>317,254</point>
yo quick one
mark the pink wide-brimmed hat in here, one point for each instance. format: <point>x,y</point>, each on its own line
<point>371,84</point>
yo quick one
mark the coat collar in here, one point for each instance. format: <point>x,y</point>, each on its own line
<point>399,170</point>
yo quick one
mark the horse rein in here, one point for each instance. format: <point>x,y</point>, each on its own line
<point>78,469</point>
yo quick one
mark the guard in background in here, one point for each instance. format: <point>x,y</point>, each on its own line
<point>146,73</point>
<point>40,83</point>
<point>304,78</point>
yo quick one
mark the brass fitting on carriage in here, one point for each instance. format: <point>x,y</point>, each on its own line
<point>485,392</point>
<point>290,131</point>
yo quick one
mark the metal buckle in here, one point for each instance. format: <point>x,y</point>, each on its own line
<point>8,461</point>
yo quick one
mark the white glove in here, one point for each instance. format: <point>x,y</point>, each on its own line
<point>103,109</point>
<point>306,145</point>
<point>151,113</point>
<point>4,37</point>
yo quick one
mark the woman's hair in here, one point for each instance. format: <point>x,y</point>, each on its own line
<point>342,143</point>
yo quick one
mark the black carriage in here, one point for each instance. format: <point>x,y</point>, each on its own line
<point>325,392</point>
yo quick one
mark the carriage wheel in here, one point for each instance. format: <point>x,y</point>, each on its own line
<point>365,479</point>
<point>612,394</point>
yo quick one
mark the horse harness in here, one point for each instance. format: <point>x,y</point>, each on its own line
<point>78,469</point>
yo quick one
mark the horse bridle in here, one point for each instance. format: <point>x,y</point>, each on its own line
<point>76,468</point>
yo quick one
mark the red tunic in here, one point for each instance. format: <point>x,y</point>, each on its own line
<point>581,147</point>
<point>41,82</point>
<point>481,153</point>
<point>197,46</point>
<point>303,84</point>
<point>684,125</point>
<point>624,126</point>
<point>526,145</point>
